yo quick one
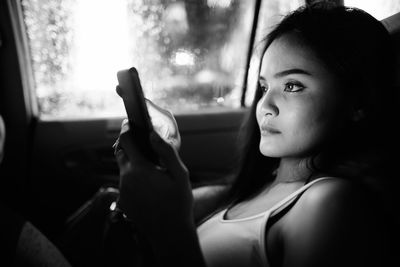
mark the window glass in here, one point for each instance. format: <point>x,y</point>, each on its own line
<point>271,13</point>
<point>189,54</point>
<point>380,9</point>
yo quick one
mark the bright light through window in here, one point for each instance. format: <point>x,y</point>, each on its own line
<point>219,3</point>
<point>380,9</point>
<point>78,46</point>
<point>183,58</point>
<point>101,45</point>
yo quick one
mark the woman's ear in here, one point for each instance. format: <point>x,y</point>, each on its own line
<point>2,137</point>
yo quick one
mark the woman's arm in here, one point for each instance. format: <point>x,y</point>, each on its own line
<point>335,223</point>
<point>178,246</point>
<point>207,199</point>
<point>159,201</point>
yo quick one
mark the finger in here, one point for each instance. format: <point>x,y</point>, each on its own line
<point>122,159</point>
<point>118,90</point>
<point>128,141</point>
<point>117,146</point>
<point>120,155</point>
<point>168,154</point>
<point>131,149</point>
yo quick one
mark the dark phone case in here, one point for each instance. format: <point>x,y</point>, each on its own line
<point>131,92</point>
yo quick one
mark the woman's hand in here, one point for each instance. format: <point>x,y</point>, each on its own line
<point>153,197</point>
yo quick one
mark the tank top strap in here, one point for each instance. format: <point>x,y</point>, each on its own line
<point>287,200</point>
<point>290,197</point>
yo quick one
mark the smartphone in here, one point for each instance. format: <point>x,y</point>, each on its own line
<point>131,92</point>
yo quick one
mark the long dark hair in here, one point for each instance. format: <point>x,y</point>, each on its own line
<point>357,49</point>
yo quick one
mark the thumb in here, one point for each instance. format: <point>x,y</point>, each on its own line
<point>168,155</point>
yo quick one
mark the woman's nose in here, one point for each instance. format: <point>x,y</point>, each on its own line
<point>268,105</point>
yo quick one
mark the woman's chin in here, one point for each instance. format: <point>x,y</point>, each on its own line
<point>269,152</point>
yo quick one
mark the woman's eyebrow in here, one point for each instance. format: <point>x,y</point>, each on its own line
<point>287,72</point>
<point>291,71</point>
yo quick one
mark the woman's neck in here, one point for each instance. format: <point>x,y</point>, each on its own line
<point>292,170</point>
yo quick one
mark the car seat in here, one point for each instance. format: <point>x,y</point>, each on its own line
<point>392,24</point>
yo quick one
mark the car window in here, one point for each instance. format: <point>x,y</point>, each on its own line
<point>190,55</point>
<point>271,12</point>
<point>380,9</point>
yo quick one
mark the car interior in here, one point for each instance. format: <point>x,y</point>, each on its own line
<point>61,173</point>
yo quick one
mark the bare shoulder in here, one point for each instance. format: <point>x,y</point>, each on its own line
<point>335,220</point>
<point>336,194</point>
<point>337,200</point>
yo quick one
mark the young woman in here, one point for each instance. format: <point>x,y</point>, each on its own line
<point>309,191</point>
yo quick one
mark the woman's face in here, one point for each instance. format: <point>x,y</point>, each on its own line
<point>301,103</point>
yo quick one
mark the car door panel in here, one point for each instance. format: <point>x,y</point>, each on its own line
<point>72,159</point>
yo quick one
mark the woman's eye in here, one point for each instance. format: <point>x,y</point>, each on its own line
<point>293,87</point>
<point>263,88</point>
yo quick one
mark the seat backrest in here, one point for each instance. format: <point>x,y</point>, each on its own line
<point>392,24</point>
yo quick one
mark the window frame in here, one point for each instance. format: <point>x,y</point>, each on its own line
<point>24,58</point>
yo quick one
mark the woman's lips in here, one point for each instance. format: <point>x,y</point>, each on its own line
<point>268,130</point>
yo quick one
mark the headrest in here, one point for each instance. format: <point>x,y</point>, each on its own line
<point>392,24</point>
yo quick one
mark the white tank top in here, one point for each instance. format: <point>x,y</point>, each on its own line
<point>240,242</point>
